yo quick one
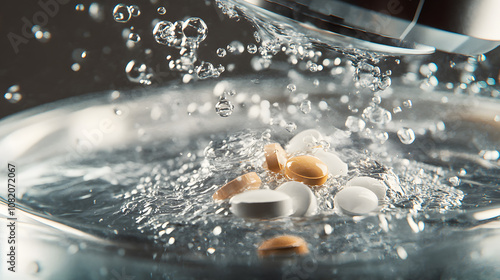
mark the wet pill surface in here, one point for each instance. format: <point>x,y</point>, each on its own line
<point>304,140</point>
<point>261,204</point>
<point>249,181</point>
<point>306,169</point>
<point>303,199</point>
<point>376,186</point>
<point>336,167</point>
<point>282,246</point>
<point>356,201</point>
<point>275,157</point>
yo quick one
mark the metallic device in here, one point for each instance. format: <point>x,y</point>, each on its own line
<point>468,27</point>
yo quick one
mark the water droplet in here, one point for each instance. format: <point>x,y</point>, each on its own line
<point>80,7</point>
<point>291,87</point>
<point>79,55</point>
<point>75,67</point>
<point>407,103</point>
<point>236,47</point>
<point>328,229</point>
<point>134,10</point>
<point>377,115</point>
<point>252,48</point>
<point>210,250</point>
<point>217,230</point>
<point>490,154</point>
<point>291,127</point>
<point>221,52</point>
<point>117,111</point>
<point>134,37</point>
<point>195,30</point>
<point>354,124</point>
<point>256,35</point>
<point>171,240</point>
<point>406,135</point>
<point>138,73</point>
<point>161,10</point>
<point>121,13</point>
<point>377,99</point>
<point>305,106</point>
<point>224,107</point>
<point>455,181</point>
<point>207,70</point>
<point>162,32</point>
<point>382,136</point>
<point>396,110</point>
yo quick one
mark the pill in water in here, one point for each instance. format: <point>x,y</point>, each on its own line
<point>306,169</point>
<point>303,199</point>
<point>304,140</point>
<point>356,201</point>
<point>275,157</point>
<point>261,204</point>
<point>336,167</point>
<point>249,181</point>
<point>283,245</point>
<point>376,186</point>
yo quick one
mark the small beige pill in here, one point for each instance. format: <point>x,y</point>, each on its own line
<point>283,245</point>
<point>275,157</point>
<point>249,181</point>
<point>306,169</point>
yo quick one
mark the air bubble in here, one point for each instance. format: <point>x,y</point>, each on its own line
<point>408,103</point>
<point>291,127</point>
<point>406,135</point>
<point>134,37</point>
<point>161,10</point>
<point>134,10</point>
<point>224,107</point>
<point>305,106</point>
<point>195,30</point>
<point>121,13</point>
<point>291,87</point>
<point>236,47</point>
<point>377,115</point>
<point>355,124</point>
<point>138,73</point>
<point>221,52</point>
<point>252,48</point>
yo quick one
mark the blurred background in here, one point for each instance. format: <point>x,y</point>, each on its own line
<point>54,49</point>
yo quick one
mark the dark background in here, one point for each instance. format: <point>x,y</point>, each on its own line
<point>43,69</point>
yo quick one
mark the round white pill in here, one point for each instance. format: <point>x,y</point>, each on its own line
<point>356,201</point>
<point>374,185</point>
<point>303,140</point>
<point>261,204</point>
<point>303,199</point>
<point>336,167</point>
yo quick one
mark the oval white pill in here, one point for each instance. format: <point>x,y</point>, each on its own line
<point>261,204</point>
<point>374,185</point>
<point>303,140</point>
<point>303,199</point>
<point>336,167</point>
<point>356,201</point>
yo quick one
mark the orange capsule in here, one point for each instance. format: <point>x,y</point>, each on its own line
<point>249,181</point>
<point>275,157</point>
<point>306,169</point>
<point>283,245</point>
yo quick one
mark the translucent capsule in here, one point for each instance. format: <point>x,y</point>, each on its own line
<point>275,157</point>
<point>282,246</point>
<point>249,181</point>
<point>306,169</point>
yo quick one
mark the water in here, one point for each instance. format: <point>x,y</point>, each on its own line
<point>127,180</point>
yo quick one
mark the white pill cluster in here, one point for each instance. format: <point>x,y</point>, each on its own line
<point>306,163</point>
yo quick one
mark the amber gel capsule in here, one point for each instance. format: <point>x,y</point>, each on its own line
<point>249,181</point>
<point>283,245</point>
<point>275,157</point>
<point>306,169</point>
